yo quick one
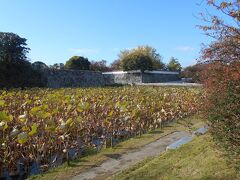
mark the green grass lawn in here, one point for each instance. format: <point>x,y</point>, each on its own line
<point>93,159</point>
<point>199,159</point>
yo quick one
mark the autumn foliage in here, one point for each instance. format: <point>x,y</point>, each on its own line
<point>222,84</point>
<point>222,76</point>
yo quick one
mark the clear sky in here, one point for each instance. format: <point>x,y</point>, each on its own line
<point>98,29</point>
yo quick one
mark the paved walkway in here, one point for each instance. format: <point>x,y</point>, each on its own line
<point>118,162</point>
<point>178,83</point>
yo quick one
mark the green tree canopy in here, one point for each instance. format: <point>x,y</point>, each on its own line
<point>38,65</point>
<point>15,70</point>
<point>137,61</point>
<point>147,56</point>
<point>78,63</point>
<point>155,57</point>
<point>12,47</point>
<point>174,65</point>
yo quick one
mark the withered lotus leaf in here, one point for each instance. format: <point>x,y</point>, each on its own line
<point>40,123</point>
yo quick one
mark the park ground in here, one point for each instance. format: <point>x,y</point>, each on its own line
<point>199,159</point>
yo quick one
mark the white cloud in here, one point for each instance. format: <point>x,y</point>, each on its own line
<point>185,48</point>
<point>85,51</point>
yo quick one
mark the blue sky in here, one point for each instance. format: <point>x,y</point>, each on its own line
<point>98,29</point>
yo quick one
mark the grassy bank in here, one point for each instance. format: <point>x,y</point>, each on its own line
<point>93,159</point>
<point>200,159</point>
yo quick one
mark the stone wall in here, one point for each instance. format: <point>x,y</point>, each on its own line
<point>161,76</point>
<point>120,77</point>
<point>72,78</point>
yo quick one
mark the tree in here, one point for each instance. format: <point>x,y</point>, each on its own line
<point>153,59</point>
<point>152,53</point>
<point>99,66</point>
<point>137,61</point>
<point>78,63</point>
<point>57,66</point>
<point>174,65</point>
<point>12,47</point>
<point>226,34</point>
<point>194,72</point>
<point>222,76</point>
<point>38,65</point>
<point>116,65</point>
<point>15,70</point>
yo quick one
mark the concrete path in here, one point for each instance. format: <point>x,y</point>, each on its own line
<point>118,162</point>
<point>177,84</point>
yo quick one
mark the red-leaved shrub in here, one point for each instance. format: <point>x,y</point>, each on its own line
<point>222,84</point>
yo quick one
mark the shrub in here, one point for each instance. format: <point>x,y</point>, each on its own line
<point>222,82</point>
<point>193,72</point>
